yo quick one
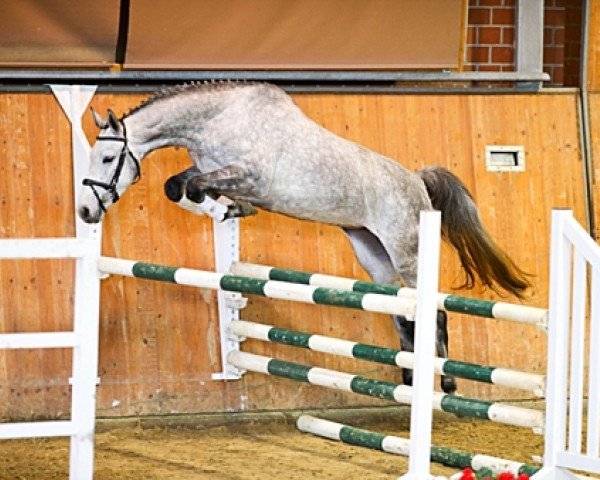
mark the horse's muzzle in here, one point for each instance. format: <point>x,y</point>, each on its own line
<point>88,216</point>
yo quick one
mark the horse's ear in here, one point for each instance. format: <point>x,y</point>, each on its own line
<point>101,123</point>
<point>113,121</point>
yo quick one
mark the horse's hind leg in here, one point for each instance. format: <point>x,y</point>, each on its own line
<point>406,331</point>
<point>375,259</point>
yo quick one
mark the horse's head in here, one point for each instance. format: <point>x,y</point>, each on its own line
<point>113,167</point>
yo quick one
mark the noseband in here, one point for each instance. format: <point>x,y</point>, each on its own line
<point>112,186</point>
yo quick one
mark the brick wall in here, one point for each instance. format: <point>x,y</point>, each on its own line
<point>490,44</point>
<point>490,36</point>
<point>554,41</point>
<point>573,28</point>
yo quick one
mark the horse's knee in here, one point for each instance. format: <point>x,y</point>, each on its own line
<point>174,188</point>
<point>195,189</point>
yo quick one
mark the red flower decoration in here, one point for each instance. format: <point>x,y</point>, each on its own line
<point>468,474</point>
<point>506,476</point>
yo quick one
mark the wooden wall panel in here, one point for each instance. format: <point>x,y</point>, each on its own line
<point>593,66</point>
<point>594,109</point>
<point>35,201</point>
<point>159,343</point>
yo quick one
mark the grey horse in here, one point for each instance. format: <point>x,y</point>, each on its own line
<point>250,142</point>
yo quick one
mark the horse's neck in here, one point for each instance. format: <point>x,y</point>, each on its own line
<point>172,122</point>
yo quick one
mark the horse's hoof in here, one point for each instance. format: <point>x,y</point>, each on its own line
<point>174,189</point>
<point>193,191</point>
<point>448,384</point>
<point>407,377</point>
<point>246,209</point>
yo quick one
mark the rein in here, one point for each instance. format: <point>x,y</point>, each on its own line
<point>112,186</point>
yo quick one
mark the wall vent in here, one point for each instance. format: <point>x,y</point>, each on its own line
<point>505,158</point>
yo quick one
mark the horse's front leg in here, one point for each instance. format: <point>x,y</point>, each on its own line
<point>231,181</point>
<point>175,185</point>
<point>175,189</point>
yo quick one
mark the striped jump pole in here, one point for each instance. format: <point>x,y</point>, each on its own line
<point>400,446</point>
<point>388,356</point>
<point>496,412</point>
<point>371,302</point>
<point>450,303</point>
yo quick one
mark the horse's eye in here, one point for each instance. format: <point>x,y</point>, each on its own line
<point>107,159</point>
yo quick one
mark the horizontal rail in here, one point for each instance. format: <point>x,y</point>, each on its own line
<point>29,248</point>
<point>127,76</point>
<point>62,428</point>
<point>12,341</point>
<point>401,446</point>
<point>450,303</point>
<point>443,366</point>
<point>496,412</point>
<point>580,462</point>
<point>280,290</point>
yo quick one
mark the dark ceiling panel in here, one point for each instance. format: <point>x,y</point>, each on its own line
<point>294,34</point>
<point>58,33</point>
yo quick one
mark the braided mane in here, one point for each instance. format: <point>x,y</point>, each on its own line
<point>192,87</point>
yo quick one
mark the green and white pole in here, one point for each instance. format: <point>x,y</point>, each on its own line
<point>389,356</point>
<point>496,412</point>
<point>450,303</point>
<point>400,446</point>
<point>371,302</point>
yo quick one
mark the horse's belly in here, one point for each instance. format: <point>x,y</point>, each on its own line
<point>336,211</point>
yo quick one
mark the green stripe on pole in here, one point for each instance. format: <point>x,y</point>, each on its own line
<point>368,287</point>
<point>361,438</point>
<point>469,371</point>
<point>293,371</point>
<point>472,306</point>
<point>340,298</point>
<point>529,470</point>
<point>154,272</point>
<point>375,354</point>
<point>373,388</point>
<point>289,337</point>
<point>293,276</point>
<point>451,458</point>
<point>243,284</point>
<point>466,407</point>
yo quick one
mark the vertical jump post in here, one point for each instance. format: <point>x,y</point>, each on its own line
<point>425,329</point>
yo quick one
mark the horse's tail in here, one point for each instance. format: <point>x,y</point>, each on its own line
<point>462,227</point>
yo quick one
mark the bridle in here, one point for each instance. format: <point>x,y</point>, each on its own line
<point>112,186</point>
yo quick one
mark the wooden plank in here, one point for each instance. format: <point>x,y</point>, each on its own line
<point>593,39</point>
